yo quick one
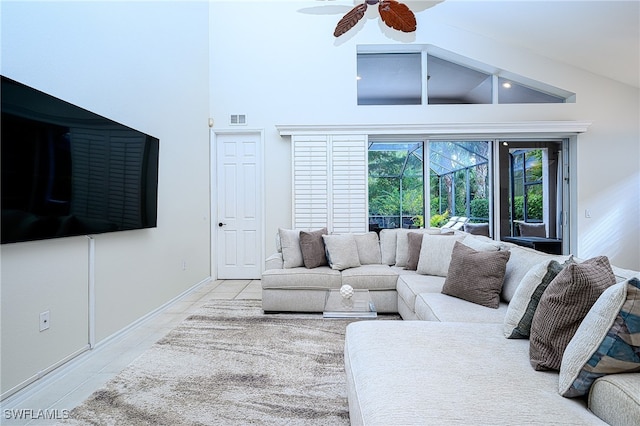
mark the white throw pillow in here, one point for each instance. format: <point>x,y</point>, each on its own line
<point>435,253</point>
<point>388,245</point>
<point>402,245</point>
<point>342,251</point>
<point>291,252</point>
<point>368,248</point>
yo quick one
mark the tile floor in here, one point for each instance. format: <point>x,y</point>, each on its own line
<point>71,384</point>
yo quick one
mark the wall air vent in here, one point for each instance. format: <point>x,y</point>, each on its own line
<point>238,119</point>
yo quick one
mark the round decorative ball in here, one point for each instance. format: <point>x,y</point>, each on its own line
<point>346,291</point>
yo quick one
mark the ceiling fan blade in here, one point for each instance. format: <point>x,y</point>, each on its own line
<point>349,20</point>
<point>397,15</point>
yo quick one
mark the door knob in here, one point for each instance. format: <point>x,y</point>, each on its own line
<point>220,224</point>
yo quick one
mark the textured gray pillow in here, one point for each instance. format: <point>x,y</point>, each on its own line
<point>291,252</point>
<point>415,243</point>
<point>342,251</point>
<point>476,276</point>
<point>312,247</point>
<point>563,306</point>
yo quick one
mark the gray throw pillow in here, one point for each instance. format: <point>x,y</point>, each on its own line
<point>415,243</point>
<point>312,247</point>
<point>476,276</point>
<point>532,229</point>
<point>563,306</point>
<point>477,228</point>
<point>368,248</point>
<point>342,251</point>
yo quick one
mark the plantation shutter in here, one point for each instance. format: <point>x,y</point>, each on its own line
<point>310,182</point>
<point>349,183</point>
<point>330,182</point>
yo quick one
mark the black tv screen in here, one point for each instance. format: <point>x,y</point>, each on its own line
<point>67,171</point>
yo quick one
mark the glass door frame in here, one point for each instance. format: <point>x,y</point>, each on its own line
<point>565,196</point>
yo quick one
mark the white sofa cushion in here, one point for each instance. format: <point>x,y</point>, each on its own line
<point>443,308</point>
<point>522,259</point>
<point>372,277</point>
<point>419,372</point>
<point>410,284</point>
<point>615,399</point>
<point>321,277</point>
<point>481,244</point>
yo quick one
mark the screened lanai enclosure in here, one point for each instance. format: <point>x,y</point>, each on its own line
<point>458,173</point>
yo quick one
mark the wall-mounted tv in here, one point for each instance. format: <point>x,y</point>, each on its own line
<point>67,171</point>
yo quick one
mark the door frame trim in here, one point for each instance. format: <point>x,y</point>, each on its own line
<point>213,187</point>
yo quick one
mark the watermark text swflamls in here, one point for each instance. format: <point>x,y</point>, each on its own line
<point>31,414</point>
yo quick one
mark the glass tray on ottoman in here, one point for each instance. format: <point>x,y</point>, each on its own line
<point>358,306</point>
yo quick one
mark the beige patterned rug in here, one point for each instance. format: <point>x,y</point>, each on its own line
<point>230,364</point>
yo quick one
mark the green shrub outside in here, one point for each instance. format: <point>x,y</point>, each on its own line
<point>534,204</point>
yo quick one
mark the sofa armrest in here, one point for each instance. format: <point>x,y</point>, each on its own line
<point>274,261</point>
<point>615,399</point>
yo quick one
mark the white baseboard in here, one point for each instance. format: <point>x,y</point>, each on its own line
<point>38,381</point>
<point>43,373</point>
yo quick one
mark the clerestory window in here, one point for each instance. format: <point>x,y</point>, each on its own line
<point>431,76</point>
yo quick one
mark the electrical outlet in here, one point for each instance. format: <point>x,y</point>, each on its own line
<point>587,213</point>
<point>184,265</point>
<point>44,321</point>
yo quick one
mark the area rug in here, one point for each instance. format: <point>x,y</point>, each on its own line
<point>229,363</point>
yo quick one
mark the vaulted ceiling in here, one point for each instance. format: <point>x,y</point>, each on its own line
<point>602,37</point>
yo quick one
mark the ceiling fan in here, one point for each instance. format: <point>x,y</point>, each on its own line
<point>393,13</point>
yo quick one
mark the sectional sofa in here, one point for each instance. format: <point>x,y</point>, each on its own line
<point>493,333</point>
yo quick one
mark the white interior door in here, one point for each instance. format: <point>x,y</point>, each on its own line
<point>238,203</point>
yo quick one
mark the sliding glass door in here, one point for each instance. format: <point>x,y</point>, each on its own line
<point>511,187</point>
<point>531,188</point>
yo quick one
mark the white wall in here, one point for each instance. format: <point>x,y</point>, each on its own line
<point>143,64</point>
<point>280,65</point>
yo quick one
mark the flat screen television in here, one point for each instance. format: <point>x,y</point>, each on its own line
<point>67,171</point>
